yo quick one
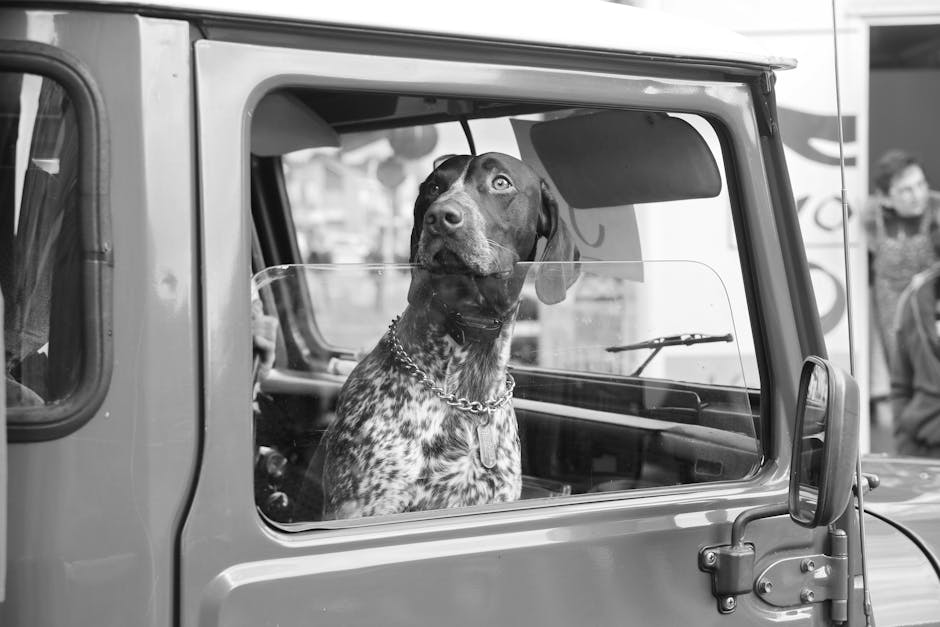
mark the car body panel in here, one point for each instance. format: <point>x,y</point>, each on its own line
<point>903,540</point>
<point>94,514</point>
<point>592,564</point>
<point>145,516</point>
<point>904,584</point>
<point>624,554</point>
<point>908,496</point>
<point>590,25</point>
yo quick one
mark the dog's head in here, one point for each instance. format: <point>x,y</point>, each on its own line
<point>477,216</point>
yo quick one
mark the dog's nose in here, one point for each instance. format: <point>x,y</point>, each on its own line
<point>443,219</point>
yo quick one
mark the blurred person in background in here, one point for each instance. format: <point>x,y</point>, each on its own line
<point>915,367</point>
<point>902,231</point>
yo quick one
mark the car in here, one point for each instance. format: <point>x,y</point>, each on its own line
<point>688,453</point>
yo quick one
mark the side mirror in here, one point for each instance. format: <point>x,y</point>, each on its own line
<point>825,444</point>
<point>825,451</point>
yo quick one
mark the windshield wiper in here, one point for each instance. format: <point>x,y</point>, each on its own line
<point>659,343</point>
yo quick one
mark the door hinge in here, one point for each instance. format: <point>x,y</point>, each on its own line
<point>787,582</point>
<point>810,579</point>
<point>731,566</point>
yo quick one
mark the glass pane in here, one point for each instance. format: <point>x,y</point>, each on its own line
<point>40,251</point>
<point>627,383</point>
<point>812,440</point>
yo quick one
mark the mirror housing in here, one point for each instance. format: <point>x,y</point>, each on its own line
<point>825,444</point>
<point>825,454</point>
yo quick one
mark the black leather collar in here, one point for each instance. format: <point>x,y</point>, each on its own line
<point>466,327</point>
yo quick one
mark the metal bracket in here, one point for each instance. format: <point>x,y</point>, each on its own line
<point>732,565</point>
<point>810,579</point>
<point>767,81</point>
<point>732,571</point>
<point>766,99</point>
<point>787,582</point>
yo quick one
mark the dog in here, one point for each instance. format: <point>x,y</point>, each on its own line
<point>425,420</point>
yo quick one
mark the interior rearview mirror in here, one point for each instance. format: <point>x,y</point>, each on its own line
<point>825,444</point>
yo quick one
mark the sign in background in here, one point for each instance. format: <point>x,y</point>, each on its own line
<point>808,121</point>
<point>806,97</point>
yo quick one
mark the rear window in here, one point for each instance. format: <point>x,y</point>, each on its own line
<point>52,260</point>
<point>40,250</point>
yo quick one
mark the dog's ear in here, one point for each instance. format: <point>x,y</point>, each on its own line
<point>553,280</point>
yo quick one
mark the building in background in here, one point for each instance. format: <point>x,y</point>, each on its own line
<point>889,70</point>
<point>889,63</point>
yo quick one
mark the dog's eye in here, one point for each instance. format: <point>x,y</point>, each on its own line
<point>434,189</point>
<point>501,182</point>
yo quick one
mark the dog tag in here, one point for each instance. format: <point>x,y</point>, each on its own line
<point>486,436</point>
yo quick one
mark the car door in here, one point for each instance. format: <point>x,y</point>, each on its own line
<point>602,558</point>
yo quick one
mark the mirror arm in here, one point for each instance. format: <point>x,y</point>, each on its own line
<point>750,515</point>
<point>732,565</point>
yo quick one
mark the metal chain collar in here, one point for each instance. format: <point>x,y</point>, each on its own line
<point>461,403</point>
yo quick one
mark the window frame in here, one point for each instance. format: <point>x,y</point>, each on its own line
<point>62,417</point>
<point>248,71</point>
<point>728,163</point>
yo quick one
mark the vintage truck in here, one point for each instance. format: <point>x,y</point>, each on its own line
<point>170,170</point>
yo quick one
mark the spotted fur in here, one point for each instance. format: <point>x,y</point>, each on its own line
<point>395,446</point>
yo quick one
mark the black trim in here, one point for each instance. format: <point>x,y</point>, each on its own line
<point>276,237</point>
<point>796,266</point>
<point>752,289</point>
<point>61,418</point>
<point>271,211</point>
<point>189,493</point>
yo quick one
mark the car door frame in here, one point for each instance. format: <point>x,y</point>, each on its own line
<point>237,569</point>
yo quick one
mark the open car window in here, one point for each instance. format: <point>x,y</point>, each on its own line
<point>632,381</point>
<point>631,185</point>
<point>656,319</point>
<point>644,375</point>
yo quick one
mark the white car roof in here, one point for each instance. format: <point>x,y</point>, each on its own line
<point>584,24</point>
